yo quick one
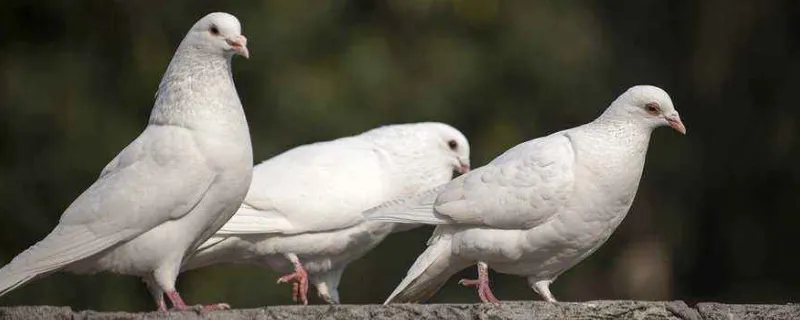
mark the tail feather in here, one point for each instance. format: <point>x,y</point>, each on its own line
<point>418,208</point>
<point>64,245</point>
<point>429,273</point>
<point>249,220</point>
<point>217,249</point>
<point>211,242</point>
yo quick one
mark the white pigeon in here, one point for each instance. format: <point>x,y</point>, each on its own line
<point>303,213</point>
<point>171,188</point>
<point>539,208</point>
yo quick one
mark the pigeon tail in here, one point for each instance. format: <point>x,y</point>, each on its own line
<point>430,272</point>
<point>418,208</point>
<point>217,249</point>
<point>11,280</point>
<point>64,245</point>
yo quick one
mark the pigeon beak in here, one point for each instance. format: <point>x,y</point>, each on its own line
<point>676,123</point>
<point>463,168</point>
<point>460,169</point>
<point>239,45</point>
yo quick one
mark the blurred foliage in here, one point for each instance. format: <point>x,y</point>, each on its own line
<point>715,217</point>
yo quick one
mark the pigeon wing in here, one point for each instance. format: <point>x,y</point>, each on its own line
<point>136,192</point>
<point>520,189</point>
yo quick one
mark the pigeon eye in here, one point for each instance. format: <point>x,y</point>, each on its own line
<point>213,30</point>
<point>652,108</point>
<point>452,144</point>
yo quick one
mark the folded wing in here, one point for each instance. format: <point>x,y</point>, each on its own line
<point>520,189</point>
<point>134,194</point>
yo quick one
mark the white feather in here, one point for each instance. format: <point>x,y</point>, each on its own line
<point>171,188</point>
<point>309,201</point>
<point>542,206</point>
<point>417,208</point>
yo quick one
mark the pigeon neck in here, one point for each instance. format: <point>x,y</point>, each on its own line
<point>610,153</point>
<point>621,125</point>
<point>196,88</point>
<point>620,136</point>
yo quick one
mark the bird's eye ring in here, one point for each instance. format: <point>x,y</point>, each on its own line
<point>652,108</point>
<point>214,30</point>
<point>452,144</point>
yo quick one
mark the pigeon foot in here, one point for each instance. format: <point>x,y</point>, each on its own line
<point>299,280</point>
<point>482,284</point>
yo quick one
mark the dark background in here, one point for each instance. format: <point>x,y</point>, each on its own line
<point>716,215</point>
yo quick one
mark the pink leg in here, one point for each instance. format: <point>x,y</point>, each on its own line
<point>178,304</point>
<point>482,284</point>
<point>299,280</point>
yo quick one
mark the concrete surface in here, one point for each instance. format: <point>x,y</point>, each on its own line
<point>507,310</point>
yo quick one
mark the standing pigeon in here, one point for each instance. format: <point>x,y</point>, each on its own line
<point>303,213</point>
<point>539,208</point>
<point>171,188</point>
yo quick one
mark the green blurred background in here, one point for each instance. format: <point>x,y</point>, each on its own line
<point>716,216</point>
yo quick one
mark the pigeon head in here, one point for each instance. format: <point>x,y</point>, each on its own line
<point>220,33</point>
<point>648,105</point>
<point>453,144</point>
<point>433,145</point>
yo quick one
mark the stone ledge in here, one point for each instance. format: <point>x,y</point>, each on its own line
<point>507,310</point>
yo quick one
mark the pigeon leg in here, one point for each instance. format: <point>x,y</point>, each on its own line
<point>482,283</point>
<point>165,280</point>
<point>161,305</point>
<point>177,301</point>
<point>299,280</point>
<point>325,293</point>
<point>543,289</point>
<point>327,284</point>
<point>157,294</point>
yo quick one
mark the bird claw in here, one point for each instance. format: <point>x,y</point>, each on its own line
<point>179,305</point>
<point>484,290</point>
<point>299,280</point>
<point>162,307</point>
<point>215,307</point>
<point>207,307</point>
<point>469,282</point>
<point>328,299</point>
<point>482,284</point>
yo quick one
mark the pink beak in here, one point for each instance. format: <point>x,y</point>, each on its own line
<point>464,168</point>
<point>239,45</point>
<point>676,123</point>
